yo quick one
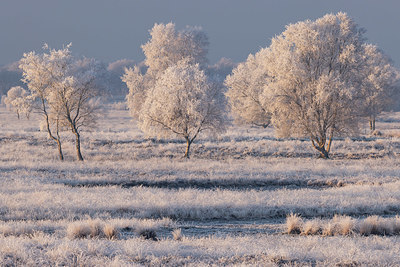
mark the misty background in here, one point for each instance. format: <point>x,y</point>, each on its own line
<point>112,31</point>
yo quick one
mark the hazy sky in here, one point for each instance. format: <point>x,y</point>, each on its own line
<point>114,29</point>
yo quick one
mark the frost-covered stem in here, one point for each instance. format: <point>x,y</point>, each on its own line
<point>328,149</point>
<point>57,139</point>
<point>78,146</point>
<point>320,146</point>
<point>372,123</point>
<point>60,153</point>
<point>188,143</point>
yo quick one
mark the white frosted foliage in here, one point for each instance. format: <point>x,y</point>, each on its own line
<point>317,79</point>
<point>183,103</point>
<point>245,87</point>
<point>137,84</point>
<point>167,47</point>
<point>19,100</point>
<point>65,89</point>
<point>380,86</point>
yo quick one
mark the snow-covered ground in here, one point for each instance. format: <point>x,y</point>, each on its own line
<point>229,202</point>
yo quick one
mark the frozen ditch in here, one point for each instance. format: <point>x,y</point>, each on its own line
<point>240,184</point>
<point>215,228</point>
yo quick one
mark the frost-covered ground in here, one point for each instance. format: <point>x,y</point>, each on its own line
<point>227,205</point>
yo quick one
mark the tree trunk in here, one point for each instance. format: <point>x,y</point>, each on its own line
<point>78,146</point>
<point>372,123</point>
<point>324,154</point>
<point>188,143</point>
<point>320,146</point>
<point>60,153</point>
<point>57,139</point>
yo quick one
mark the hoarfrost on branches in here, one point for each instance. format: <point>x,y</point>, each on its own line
<point>245,86</point>
<point>165,48</point>
<point>174,95</point>
<point>168,46</point>
<point>138,85</point>
<point>183,102</point>
<point>65,89</point>
<point>380,86</point>
<point>20,100</point>
<point>314,78</point>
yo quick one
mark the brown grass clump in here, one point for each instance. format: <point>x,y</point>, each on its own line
<point>374,225</point>
<point>78,230</point>
<point>92,229</point>
<point>293,224</point>
<point>110,231</point>
<point>95,228</point>
<point>330,229</point>
<point>311,228</point>
<point>344,225</point>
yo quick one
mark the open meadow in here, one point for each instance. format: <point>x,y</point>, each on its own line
<point>135,200</point>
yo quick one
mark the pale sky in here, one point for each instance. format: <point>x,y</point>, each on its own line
<point>109,30</point>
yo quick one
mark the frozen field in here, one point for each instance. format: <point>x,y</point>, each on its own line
<point>135,200</point>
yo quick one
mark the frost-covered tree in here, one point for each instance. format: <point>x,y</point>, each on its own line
<point>37,74</point>
<point>74,96</point>
<point>245,88</point>
<point>380,86</point>
<point>167,47</point>
<point>19,100</point>
<point>173,95</point>
<point>315,78</point>
<point>312,78</point>
<point>138,85</point>
<point>65,89</point>
<point>184,103</point>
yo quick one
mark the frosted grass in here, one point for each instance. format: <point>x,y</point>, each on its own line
<point>130,181</point>
<point>275,250</point>
<point>59,202</point>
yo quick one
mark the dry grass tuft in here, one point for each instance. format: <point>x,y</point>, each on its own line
<point>177,234</point>
<point>343,225</point>
<point>78,230</point>
<point>95,228</point>
<point>330,229</point>
<point>110,231</point>
<point>294,224</point>
<point>312,227</point>
<point>92,229</point>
